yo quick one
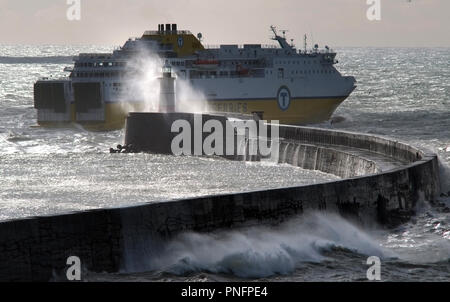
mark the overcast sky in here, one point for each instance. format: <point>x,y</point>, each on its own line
<point>334,22</point>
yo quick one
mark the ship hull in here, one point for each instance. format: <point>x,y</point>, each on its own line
<point>301,111</point>
<point>114,117</point>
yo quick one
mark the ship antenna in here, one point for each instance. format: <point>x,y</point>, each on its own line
<point>306,43</point>
<point>274,30</point>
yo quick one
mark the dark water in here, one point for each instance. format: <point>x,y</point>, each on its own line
<point>402,93</point>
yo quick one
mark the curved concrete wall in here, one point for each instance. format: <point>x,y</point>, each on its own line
<point>326,159</point>
<point>125,238</point>
<point>388,147</point>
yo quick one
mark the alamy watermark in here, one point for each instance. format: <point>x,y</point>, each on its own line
<point>374,10</point>
<point>236,137</point>
<point>73,273</point>
<point>74,10</point>
<point>374,271</point>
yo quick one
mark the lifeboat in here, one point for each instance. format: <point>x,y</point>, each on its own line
<point>241,71</point>
<point>206,64</point>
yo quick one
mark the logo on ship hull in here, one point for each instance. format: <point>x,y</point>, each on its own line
<point>180,42</point>
<point>284,98</point>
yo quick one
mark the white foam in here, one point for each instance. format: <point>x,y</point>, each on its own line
<point>263,251</point>
<point>444,171</point>
<point>143,85</point>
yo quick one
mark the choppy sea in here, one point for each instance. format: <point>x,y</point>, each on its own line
<point>402,93</point>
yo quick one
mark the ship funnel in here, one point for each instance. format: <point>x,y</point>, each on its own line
<point>167,90</point>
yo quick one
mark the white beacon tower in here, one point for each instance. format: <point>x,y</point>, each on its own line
<point>167,90</point>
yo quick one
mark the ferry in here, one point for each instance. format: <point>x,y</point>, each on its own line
<point>277,82</point>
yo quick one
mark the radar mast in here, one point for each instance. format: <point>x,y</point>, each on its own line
<point>281,40</point>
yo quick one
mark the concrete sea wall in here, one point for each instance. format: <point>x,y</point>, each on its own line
<point>108,240</point>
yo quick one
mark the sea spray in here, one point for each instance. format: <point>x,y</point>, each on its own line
<point>263,251</point>
<point>141,90</point>
<point>188,98</point>
<point>444,176</point>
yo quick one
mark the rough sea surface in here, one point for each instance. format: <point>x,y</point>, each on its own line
<point>402,93</point>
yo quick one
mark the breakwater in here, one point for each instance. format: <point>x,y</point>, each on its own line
<point>382,182</point>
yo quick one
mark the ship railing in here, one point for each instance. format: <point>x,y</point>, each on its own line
<point>212,46</point>
<point>54,79</point>
<point>156,32</point>
<point>240,46</point>
<point>95,54</point>
<point>318,51</point>
<point>270,46</point>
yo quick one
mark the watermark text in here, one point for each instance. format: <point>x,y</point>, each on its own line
<point>74,10</point>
